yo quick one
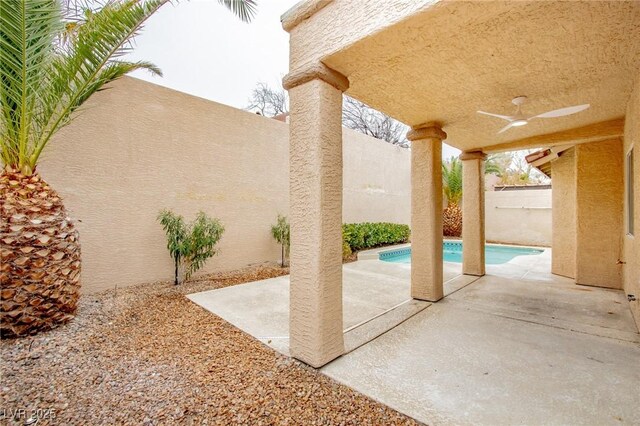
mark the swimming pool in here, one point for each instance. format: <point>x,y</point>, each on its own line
<point>452,252</point>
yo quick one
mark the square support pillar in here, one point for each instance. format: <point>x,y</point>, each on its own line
<point>315,162</point>
<point>473,237</point>
<point>426,212</point>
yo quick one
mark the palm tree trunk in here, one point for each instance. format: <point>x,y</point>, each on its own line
<point>452,220</point>
<point>40,251</point>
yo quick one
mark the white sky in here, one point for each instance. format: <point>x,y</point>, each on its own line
<point>204,50</point>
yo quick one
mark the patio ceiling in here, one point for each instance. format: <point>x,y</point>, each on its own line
<point>453,58</point>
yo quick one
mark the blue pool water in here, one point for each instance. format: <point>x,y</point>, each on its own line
<point>452,252</point>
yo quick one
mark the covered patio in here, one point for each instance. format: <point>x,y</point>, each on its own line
<point>517,346</point>
<point>506,351</point>
<point>433,65</point>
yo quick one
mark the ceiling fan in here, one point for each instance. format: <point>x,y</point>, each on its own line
<point>519,119</point>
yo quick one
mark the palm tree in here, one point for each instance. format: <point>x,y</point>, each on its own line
<point>50,64</point>
<point>496,164</point>
<point>452,188</point>
<point>512,168</point>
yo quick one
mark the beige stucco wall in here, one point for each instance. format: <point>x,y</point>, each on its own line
<point>376,180</point>
<point>563,255</point>
<point>139,147</point>
<point>518,217</point>
<point>631,244</point>
<point>599,199</point>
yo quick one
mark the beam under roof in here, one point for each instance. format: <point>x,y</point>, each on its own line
<point>595,132</point>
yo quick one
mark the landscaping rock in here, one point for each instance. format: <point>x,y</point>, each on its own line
<point>147,355</point>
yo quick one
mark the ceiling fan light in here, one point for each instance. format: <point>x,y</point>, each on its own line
<point>518,123</point>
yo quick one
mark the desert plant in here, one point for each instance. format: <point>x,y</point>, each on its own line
<point>452,188</point>
<point>190,245</point>
<point>52,59</point>
<point>280,232</point>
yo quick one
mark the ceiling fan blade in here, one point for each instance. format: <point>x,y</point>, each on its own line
<point>507,127</point>
<point>562,111</point>
<point>504,117</point>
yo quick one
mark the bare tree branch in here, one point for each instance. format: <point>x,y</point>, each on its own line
<point>356,115</point>
<point>361,117</point>
<point>268,102</point>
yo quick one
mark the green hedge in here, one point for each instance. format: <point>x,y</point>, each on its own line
<point>366,235</point>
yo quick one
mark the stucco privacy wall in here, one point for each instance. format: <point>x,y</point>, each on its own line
<point>563,255</point>
<point>376,181</point>
<point>631,244</point>
<point>519,217</point>
<point>599,206</point>
<point>139,147</point>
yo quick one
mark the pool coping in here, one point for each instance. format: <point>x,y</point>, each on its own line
<point>374,254</point>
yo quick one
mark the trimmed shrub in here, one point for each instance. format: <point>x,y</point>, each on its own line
<point>346,248</point>
<point>360,236</point>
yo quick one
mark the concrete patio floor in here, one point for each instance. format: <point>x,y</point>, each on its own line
<point>517,346</point>
<point>376,297</point>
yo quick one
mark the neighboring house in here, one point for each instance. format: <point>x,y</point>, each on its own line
<point>433,65</point>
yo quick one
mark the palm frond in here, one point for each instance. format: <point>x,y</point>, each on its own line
<point>452,180</point>
<point>492,165</point>
<point>41,87</point>
<point>244,9</point>
<point>90,62</point>
<point>27,32</point>
<point>52,60</point>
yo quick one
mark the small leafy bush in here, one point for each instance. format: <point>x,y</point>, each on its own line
<point>281,233</point>
<point>360,236</point>
<point>346,248</point>
<point>190,245</point>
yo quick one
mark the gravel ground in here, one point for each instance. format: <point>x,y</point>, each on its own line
<point>147,355</point>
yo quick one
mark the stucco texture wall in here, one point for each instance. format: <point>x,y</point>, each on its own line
<point>138,148</point>
<point>518,217</point>
<point>631,243</point>
<point>563,255</point>
<point>599,199</point>
<point>376,180</point>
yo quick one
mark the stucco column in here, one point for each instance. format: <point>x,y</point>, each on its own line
<point>426,212</point>
<point>473,238</point>
<point>315,174</point>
